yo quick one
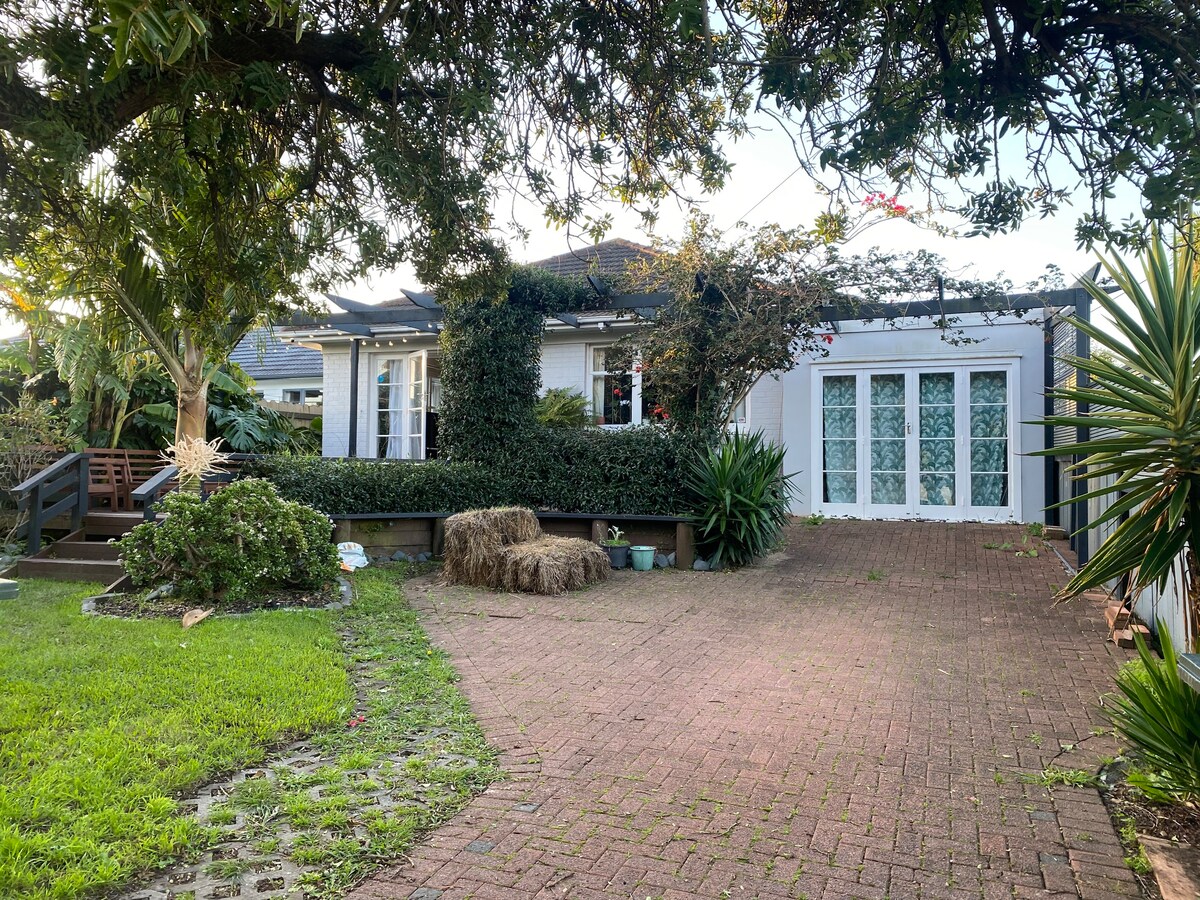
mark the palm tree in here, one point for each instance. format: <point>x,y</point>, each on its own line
<point>1144,401</point>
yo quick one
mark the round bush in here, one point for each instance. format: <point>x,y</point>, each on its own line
<point>242,540</point>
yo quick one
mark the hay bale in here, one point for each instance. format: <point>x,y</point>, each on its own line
<point>474,541</point>
<point>552,565</point>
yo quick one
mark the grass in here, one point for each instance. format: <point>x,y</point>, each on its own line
<point>1052,776</point>
<point>103,722</point>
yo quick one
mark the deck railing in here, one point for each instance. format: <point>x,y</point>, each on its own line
<point>60,488</point>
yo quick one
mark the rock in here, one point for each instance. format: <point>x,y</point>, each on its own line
<point>671,559</point>
<point>401,556</point>
<point>424,557</point>
<point>163,590</point>
<point>717,567</point>
<point>700,565</point>
<point>345,591</point>
<point>660,560</point>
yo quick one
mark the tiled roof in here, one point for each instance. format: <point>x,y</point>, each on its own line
<point>606,258</point>
<point>262,355</point>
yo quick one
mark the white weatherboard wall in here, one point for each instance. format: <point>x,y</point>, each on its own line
<point>1016,344</point>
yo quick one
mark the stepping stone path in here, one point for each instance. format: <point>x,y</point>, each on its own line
<point>235,868</point>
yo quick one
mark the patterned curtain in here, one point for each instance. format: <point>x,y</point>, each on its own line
<point>989,439</point>
<point>840,438</point>
<point>936,444</point>
<point>889,462</point>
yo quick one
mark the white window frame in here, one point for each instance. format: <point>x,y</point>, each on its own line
<point>962,510</point>
<point>406,360</point>
<point>590,375</point>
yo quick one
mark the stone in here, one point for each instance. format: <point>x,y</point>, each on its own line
<point>479,846</point>
<point>345,590</point>
<point>425,556</point>
<point>163,590</point>
<point>401,556</point>
<point>671,559</point>
<point>660,560</point>
<point>700,565</point>
<point>717,566</point>
<point>8,589</point>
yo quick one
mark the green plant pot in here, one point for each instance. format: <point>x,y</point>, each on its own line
<point>643,558</point>
<point>618,555</point>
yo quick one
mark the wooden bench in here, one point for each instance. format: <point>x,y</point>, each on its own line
<point>114,474</point>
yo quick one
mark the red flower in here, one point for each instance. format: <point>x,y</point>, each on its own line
<point>616,392</point>
<point>355,721</point>
<point>827,338</point>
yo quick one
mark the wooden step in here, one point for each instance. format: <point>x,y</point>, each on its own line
<point>103,571</point>
<point>110,524</point>
<point>102,550</point>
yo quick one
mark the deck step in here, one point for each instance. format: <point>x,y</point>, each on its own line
<point>93,550</point>
<point>110,524</point>
<point>104,571</point>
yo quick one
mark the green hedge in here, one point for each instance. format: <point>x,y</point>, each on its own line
<point>634,471</point>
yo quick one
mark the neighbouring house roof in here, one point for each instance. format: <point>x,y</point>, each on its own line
<point>263,356</point>
<point>606,258</point>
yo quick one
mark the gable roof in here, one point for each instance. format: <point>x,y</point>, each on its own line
<point>262,355</point>
<point>609,257</point>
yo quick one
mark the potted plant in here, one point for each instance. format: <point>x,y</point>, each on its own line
<point>617,548</point>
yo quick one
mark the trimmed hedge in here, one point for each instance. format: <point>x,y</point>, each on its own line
<point>634,471</point>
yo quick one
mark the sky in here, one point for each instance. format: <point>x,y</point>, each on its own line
<point>762,163</point>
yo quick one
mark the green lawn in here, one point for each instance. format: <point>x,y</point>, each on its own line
<point>103,721</point>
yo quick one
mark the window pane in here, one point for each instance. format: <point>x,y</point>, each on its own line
<point>887,487</point>
<point>989,439</point>
<point>936,445</point>
<point>840,439</point>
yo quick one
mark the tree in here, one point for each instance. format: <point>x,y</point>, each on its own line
<point>747,307</point>
<point>1144,396</point>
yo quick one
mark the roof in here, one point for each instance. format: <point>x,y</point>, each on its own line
<point>263,356</point>
<point>606,258</point>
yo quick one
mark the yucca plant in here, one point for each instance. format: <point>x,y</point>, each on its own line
<point>1144,396</point>
<point>1160,715</point>
<point>740,498</point>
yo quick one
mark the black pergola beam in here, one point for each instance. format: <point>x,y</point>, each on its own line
<point>955,306</point>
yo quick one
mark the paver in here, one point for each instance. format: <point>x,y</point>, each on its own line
<point>795,729</point>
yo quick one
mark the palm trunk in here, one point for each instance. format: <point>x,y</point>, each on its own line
<point>191,420</point>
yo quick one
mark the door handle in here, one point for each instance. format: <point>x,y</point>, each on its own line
<point>908,427</point>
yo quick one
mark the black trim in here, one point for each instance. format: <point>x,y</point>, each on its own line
<point>352,437</point>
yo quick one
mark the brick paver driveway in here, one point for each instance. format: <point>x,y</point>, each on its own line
<point>855,718</point>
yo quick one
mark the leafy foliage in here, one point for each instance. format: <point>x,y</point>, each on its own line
<point>746,307</point>
<point>635,471</point>
<point>739,498</point>
<point>491,360</point>
<point>562,408</point>
<point>243,540</point>
<point>1145,409</point>
<point>1160,715</point>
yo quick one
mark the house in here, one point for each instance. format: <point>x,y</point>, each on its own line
<point>283,372</point>
<point>900,418</point>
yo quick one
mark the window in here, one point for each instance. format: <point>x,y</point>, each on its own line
<point>616,399</point>
<point>303,396</point>
<point>839,438</point>
<point>989,439</point>
<point>389,379</point>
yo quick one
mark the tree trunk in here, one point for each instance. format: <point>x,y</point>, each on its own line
<point>191,419</point>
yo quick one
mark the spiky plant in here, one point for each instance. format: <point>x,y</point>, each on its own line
<point>1143,398</point>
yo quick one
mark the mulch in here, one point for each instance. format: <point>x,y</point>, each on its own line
<point>136,606</point>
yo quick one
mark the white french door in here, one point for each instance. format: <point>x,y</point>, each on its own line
<point>929,442</point>
<point>400,405</point>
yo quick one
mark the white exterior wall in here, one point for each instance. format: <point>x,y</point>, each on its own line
<point>273,388</point>
<point>919,342</point>
<point>335,420</point>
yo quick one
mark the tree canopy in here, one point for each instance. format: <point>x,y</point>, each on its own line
<point>384,127</point>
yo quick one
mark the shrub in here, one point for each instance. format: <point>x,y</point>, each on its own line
<point>563,408</point>
<point>634,471</point>
<point>241,540</point>
<point>349,486</point>
<point>739,499</point>
<point>1160,715</point>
